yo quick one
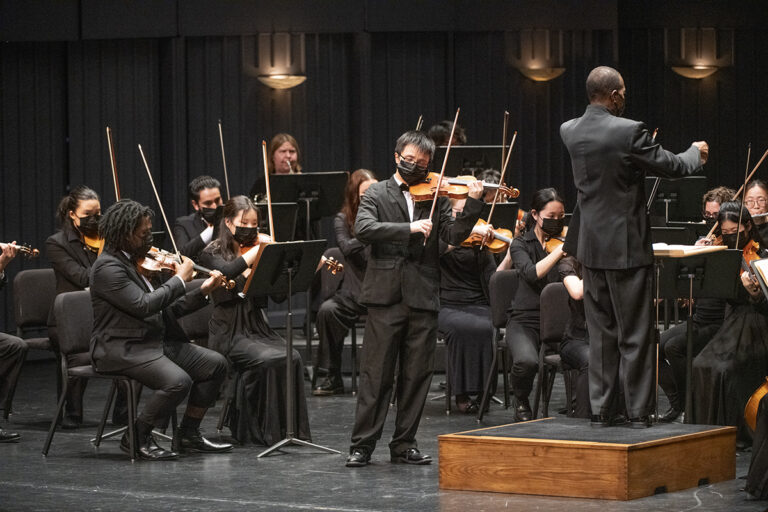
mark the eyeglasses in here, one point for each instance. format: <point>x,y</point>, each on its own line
<point>760,201</point>
<point>421,166</point>
<point>712,216</point>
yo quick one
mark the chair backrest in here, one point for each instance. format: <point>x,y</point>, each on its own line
<point>555,313</point>
<point>33,294</point>
<point>74,321</point>
<point>329,283</point>
<point>502,289</point>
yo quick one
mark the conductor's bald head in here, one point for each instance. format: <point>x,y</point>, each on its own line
<point>605,86</point>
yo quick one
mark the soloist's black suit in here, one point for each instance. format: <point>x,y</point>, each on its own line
<point>135,333</point>
<point>401,290</point>
<point>610,157</point>
<point>13,351</point>
<point>186,232</point>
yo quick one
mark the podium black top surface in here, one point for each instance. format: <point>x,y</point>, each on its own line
<point>576,429</point>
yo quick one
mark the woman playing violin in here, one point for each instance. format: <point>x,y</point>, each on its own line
<point>72,251</point>
<point>756,201</point>
<point>733,364</point>
<point>536,269</point>
<point>238,329</point>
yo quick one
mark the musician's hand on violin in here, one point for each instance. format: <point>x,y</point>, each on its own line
<point>475,189</point>
<point>703,241</point>
<point>750,284</point>
<point>423,226</point>
<point>485,231</point>
<point>215,280</point>
<point>703,150</point>
<point>9,252</point>
<point>184,269</point>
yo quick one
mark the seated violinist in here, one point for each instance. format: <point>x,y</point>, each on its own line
<point>135,333</point>
<point>441,132</point>
<point>733,364</point>
<point>193,232</point>
<point>13,350</point>
<point>238,330</point>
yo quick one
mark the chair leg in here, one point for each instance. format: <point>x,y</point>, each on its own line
<point>131,419</point>
<point>568,379</point>
<point>353,360</point>
<point>550,384</point>
<point>539,383</point>
<point>105,414</point>
<point>14,380</point>
<point>493,374</point>
<point>59,408</point>
<point>505,369</point>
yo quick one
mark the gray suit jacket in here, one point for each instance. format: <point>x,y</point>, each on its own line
<point>401,267</point>
<point>130,322</point>
<point>610,157</point>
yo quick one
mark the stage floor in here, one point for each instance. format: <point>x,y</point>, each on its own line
<point>76,477</point>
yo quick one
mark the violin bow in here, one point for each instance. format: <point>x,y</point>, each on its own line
<point>160,205</point>
<point>738,192</point>
<point>113,162</point>
<point>442,171</point>
<point>656,182</point>
<point>504,138</point>
<point>269,193</point>
<point>744,193</point>
<point>223,159</point>
<point>419,122</point>
<point>501,178</point>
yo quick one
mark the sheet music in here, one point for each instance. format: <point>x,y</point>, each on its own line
<point>681,251</point>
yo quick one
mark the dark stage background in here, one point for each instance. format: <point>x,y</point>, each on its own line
<point>162,72</point>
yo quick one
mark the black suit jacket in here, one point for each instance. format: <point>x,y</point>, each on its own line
<point>186,232</point>
<point>71,261</point>
<point>610,157</point>
<point>355,254</point>
<point>130,323</point>
<point>400,267</point>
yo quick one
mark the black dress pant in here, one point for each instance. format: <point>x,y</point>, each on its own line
<point>574,353</point>
<point>522,339</point>
<point>618,306</point>
<point>184,369</point>
<point>335,318</point>
<point>394,334</point>
<point>672,357</point>
<point>13,350</point>
<point>757,478</point>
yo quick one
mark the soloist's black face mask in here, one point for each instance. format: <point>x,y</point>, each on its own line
<point>211,215</point>
<point>730,240</point>
<point>410,172</point>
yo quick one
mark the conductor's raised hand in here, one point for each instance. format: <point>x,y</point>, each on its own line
<point>423,226</point>
<point>703,150</point>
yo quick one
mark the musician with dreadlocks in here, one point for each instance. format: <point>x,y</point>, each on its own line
<point>136,333</point>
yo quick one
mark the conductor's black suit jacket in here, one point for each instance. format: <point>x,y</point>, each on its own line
<point>130,323</point>
<point>610,157</point>
<point>401,268</point>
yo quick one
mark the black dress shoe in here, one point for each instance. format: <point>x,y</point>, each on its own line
<point>185,441</point>
<point>523,410</point>
<point>358,458</point>
<point>148,449</point>
<point>330,385</point>
<point>603,420</point>
<point>70,422</point>
<point>641,422</point>
<point>671,415</point>
<point>411,456</point>
<point>9,437</point>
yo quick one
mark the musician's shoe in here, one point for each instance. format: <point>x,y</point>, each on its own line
<point>641,422</point>
<point>9,437</point>
<point>603,420</point>
<point>522,410</point>
<point>358,458</point>
<point>671,415</point>
<point>70,422</point>
<point>411,456</point>
<point>330,385</point>
<point>148,449</point>
<point>185,441</point>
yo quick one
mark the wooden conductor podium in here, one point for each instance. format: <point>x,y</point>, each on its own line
<point>567,457</point>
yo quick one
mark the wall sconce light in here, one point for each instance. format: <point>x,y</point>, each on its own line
<point>536,53</point>
<point>276,60</point>
<point>698,52</point>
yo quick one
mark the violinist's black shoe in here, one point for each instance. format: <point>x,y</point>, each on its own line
<point>411,456</point>
<point>148,449</point>
<point>358,458</point>
<point>671,415</point>
<point>330,385</point>
<point>522,410</point>
<point>9,437</point>
<point>191,440</point>
<point>641,422</point>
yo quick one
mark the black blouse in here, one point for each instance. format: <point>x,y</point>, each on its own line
<point>464,276</point>
<point>576,328</point>
<point>526,251</point>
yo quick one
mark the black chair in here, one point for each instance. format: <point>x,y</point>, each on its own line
<point>502,289</point>
<point>74,317</point>
<point>33,294</point>
<point>555,314</point>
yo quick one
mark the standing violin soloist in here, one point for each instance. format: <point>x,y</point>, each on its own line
<point>610,157</point>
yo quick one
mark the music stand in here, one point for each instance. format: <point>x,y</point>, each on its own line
<point>697,229</point>
<point>712,275</point>
<point>672,235</point>
<point>284,219</point>
<point>281,269</point>
<point>469,160</point>
<point>677,199</point>
<point>504,216</point>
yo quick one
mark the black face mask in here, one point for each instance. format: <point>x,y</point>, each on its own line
<point>246,236</point>
<point>709,222</point>
<point>142,250</point>
<point>211,215</point>
<point>730,240</point>
<point>89,226</point>
<point>410,172</point>
<point>552,227</point>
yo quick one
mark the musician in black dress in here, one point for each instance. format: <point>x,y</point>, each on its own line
<point>707,318</point>
<point>13,350</point>
<point>756,201</point>
<point>757,478</point>
<point>536,270</point>
<point>239,330</point>
<point>734,363</point>
<point>194,231</point>
<point>339,313</point>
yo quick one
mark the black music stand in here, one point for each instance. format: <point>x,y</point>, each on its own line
<point>284,219</point>
<point>504,216</point>
<point>712,275</point>
<point>697,229</point>
<point>672,235</point>
<point>282,269</point>
<point>676,199</point>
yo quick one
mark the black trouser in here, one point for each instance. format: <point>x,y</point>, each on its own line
<point>618,306</point>
<point>574,352</point>
<point>522,339</point>
<point>335,318</point>
<point>184,369</point>
<point>672,357</point>
<point>394,333</point>
<point>13,350</point>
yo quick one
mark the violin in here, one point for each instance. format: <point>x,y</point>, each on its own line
<point>454,188</point>
<point>157,261</point>
<point>25,249</point>
<point>553,242</point>
<point>500,242</point>
<point>750,411</point>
